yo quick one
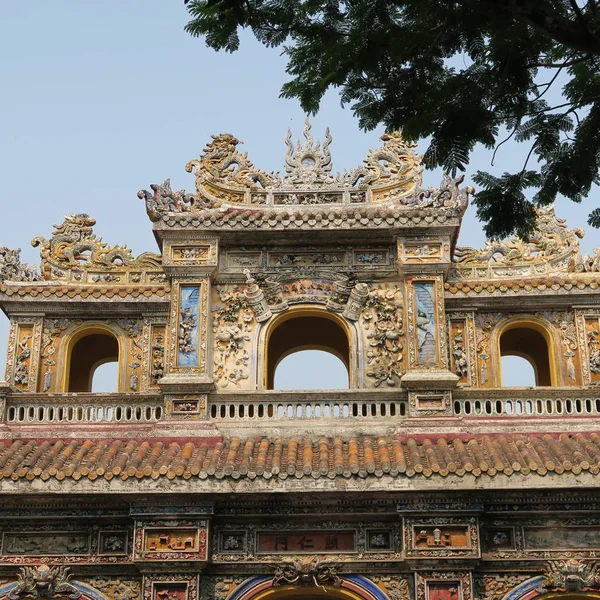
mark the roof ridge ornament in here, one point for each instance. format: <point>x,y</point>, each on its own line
<point>551,248</point>
<point>391,177</point>
<point>307,164</point>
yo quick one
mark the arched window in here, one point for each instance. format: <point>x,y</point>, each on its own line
<point>517,371</point>
<point>106,378</point>
<point>311,370</point>
<point>529,342</point>
<point>90,350</point>
<point>301,331</point>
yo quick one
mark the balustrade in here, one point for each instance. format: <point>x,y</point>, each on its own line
<point>85,408</point>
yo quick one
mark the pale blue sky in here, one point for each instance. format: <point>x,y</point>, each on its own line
<point>102,98</point>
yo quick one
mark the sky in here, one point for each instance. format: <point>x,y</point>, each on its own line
<point>100,99</point>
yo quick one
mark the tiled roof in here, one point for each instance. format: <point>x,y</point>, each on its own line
<point>359,456</point>
<point>71,290</point>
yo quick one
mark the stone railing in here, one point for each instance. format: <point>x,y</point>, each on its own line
<point>271,406</point>
<point>526,402</point>
<point>83,408</point>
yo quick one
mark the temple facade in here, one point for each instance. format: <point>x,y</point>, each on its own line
<point>426,479</point>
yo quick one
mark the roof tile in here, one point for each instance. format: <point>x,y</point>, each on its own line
<point>362,456</point>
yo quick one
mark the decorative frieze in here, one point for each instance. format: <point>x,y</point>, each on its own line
<point>441,537</point>
<point>172,540</point>
<point>495,586</point>
<point>339,540</point>
<point>67,544</point>
<point>543,538</point>
<point>190,255</point>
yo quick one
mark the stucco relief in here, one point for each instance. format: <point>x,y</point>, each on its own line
<point>233,324</point>
<point>381,321</point>
<point>462,347</point>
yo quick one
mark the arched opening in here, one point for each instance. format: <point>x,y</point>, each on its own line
<point>311,370</point>
<point>90,350</point>
<point>347,587</point>
<point>105,378</point>
<point>517,371</point>
<point>296,333</point>
<point>528,342</point>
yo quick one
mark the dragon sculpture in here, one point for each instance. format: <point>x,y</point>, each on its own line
<point>36,583</point>
<point>307,571</point>
<point>74,245</point>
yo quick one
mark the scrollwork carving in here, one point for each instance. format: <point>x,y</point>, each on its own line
<point>382,321</point>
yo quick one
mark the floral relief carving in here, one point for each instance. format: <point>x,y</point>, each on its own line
<point>233,324</point>
<point>591,329</point>
<point>117,589</point>
<point>484,323</point>
<point>496,586</point>
<point>459,353</point>
<point>564,321</point>
<point>396,587</point>
<point>134,330</point>
<point>382,322</point>
<point>50,334</point>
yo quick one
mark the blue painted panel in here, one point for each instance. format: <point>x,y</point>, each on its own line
<point>426,323</point>
<point>189,314</point>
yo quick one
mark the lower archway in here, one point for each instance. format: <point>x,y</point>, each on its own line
<point>87,591</point>
<point>533,589</point>
<point>353,587</point>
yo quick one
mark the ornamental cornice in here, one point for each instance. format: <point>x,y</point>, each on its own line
<point>43,290</point>
<point>548,286</point>
<point>332,218</point>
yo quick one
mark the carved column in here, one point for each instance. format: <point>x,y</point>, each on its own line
<point>424,261</point>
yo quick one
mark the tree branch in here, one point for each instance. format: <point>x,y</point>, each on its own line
<point>568,63</point>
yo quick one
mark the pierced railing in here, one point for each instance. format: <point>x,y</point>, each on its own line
<point>530,403</point>
<point>270,409</point>
<point>83,408</point>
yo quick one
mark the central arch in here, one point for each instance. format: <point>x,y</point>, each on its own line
<point>305,328</point>
<point>354,587</point>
